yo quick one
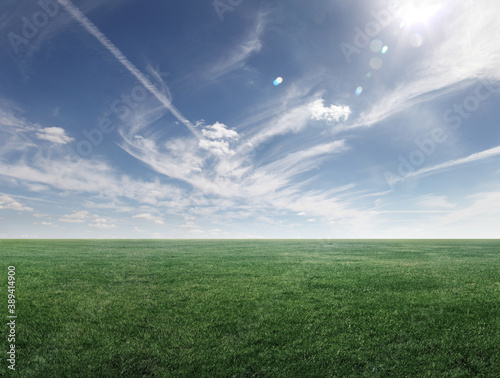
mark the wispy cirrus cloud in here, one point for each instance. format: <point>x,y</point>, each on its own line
<point>432,201</point>
<point>233,172</point>
<point>303,160</point>
<point>35,157</point>
<point>237,57</point>
<point>467,51</point>
<point>483,207</point>
<point>297,118</point>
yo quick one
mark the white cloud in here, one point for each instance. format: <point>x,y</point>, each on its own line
<point>301,161</point>
<point>19,134</point>
<point>55,135</point>
<point>86,176</point>
<point>290,121</point>
<point>7,202</point>
<point>216,139</point>
<point>217,147</point>
<point>102,225</point>
<point>236,58</point>
<point>76,217</point>
<point>149,217</point>
<point>198,232</point>
<point>333,113</point>
<point>296,118</point>
<point>219,131</point>
<point>455,163</point>
<point>37,187</point>
<point>480,215</point>
<point>235,177</point>
<point>434,202</point>
<point>71,220</point>
<point>39,215</point>
<point>189,225</point>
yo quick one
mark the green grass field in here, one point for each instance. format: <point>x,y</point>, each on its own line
<point>250,308</point>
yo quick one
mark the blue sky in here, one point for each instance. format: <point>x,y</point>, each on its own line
<point>147,119</point>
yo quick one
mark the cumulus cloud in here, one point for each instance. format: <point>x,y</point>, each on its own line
<point>332,113</point>
<point>219,131</point>
<point>216,139</point>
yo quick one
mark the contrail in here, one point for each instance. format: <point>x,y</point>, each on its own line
<point>453,163</point>
<point>94,30</point>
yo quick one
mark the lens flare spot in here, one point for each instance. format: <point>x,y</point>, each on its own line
<point>278,81</point>
<point>358,91</point>
<point>416,40</point>
<point>376,63</point>
<point>376,45</point>
<point>384,49</point>
<point>369,75</point>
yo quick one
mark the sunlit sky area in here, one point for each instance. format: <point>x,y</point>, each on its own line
<point>249,119</point>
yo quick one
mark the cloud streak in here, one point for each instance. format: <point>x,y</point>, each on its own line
<point>236,59</point>
<point>492,152</point>
<point>108,45</point>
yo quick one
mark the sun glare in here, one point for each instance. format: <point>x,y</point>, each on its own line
<point>414,15</point>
